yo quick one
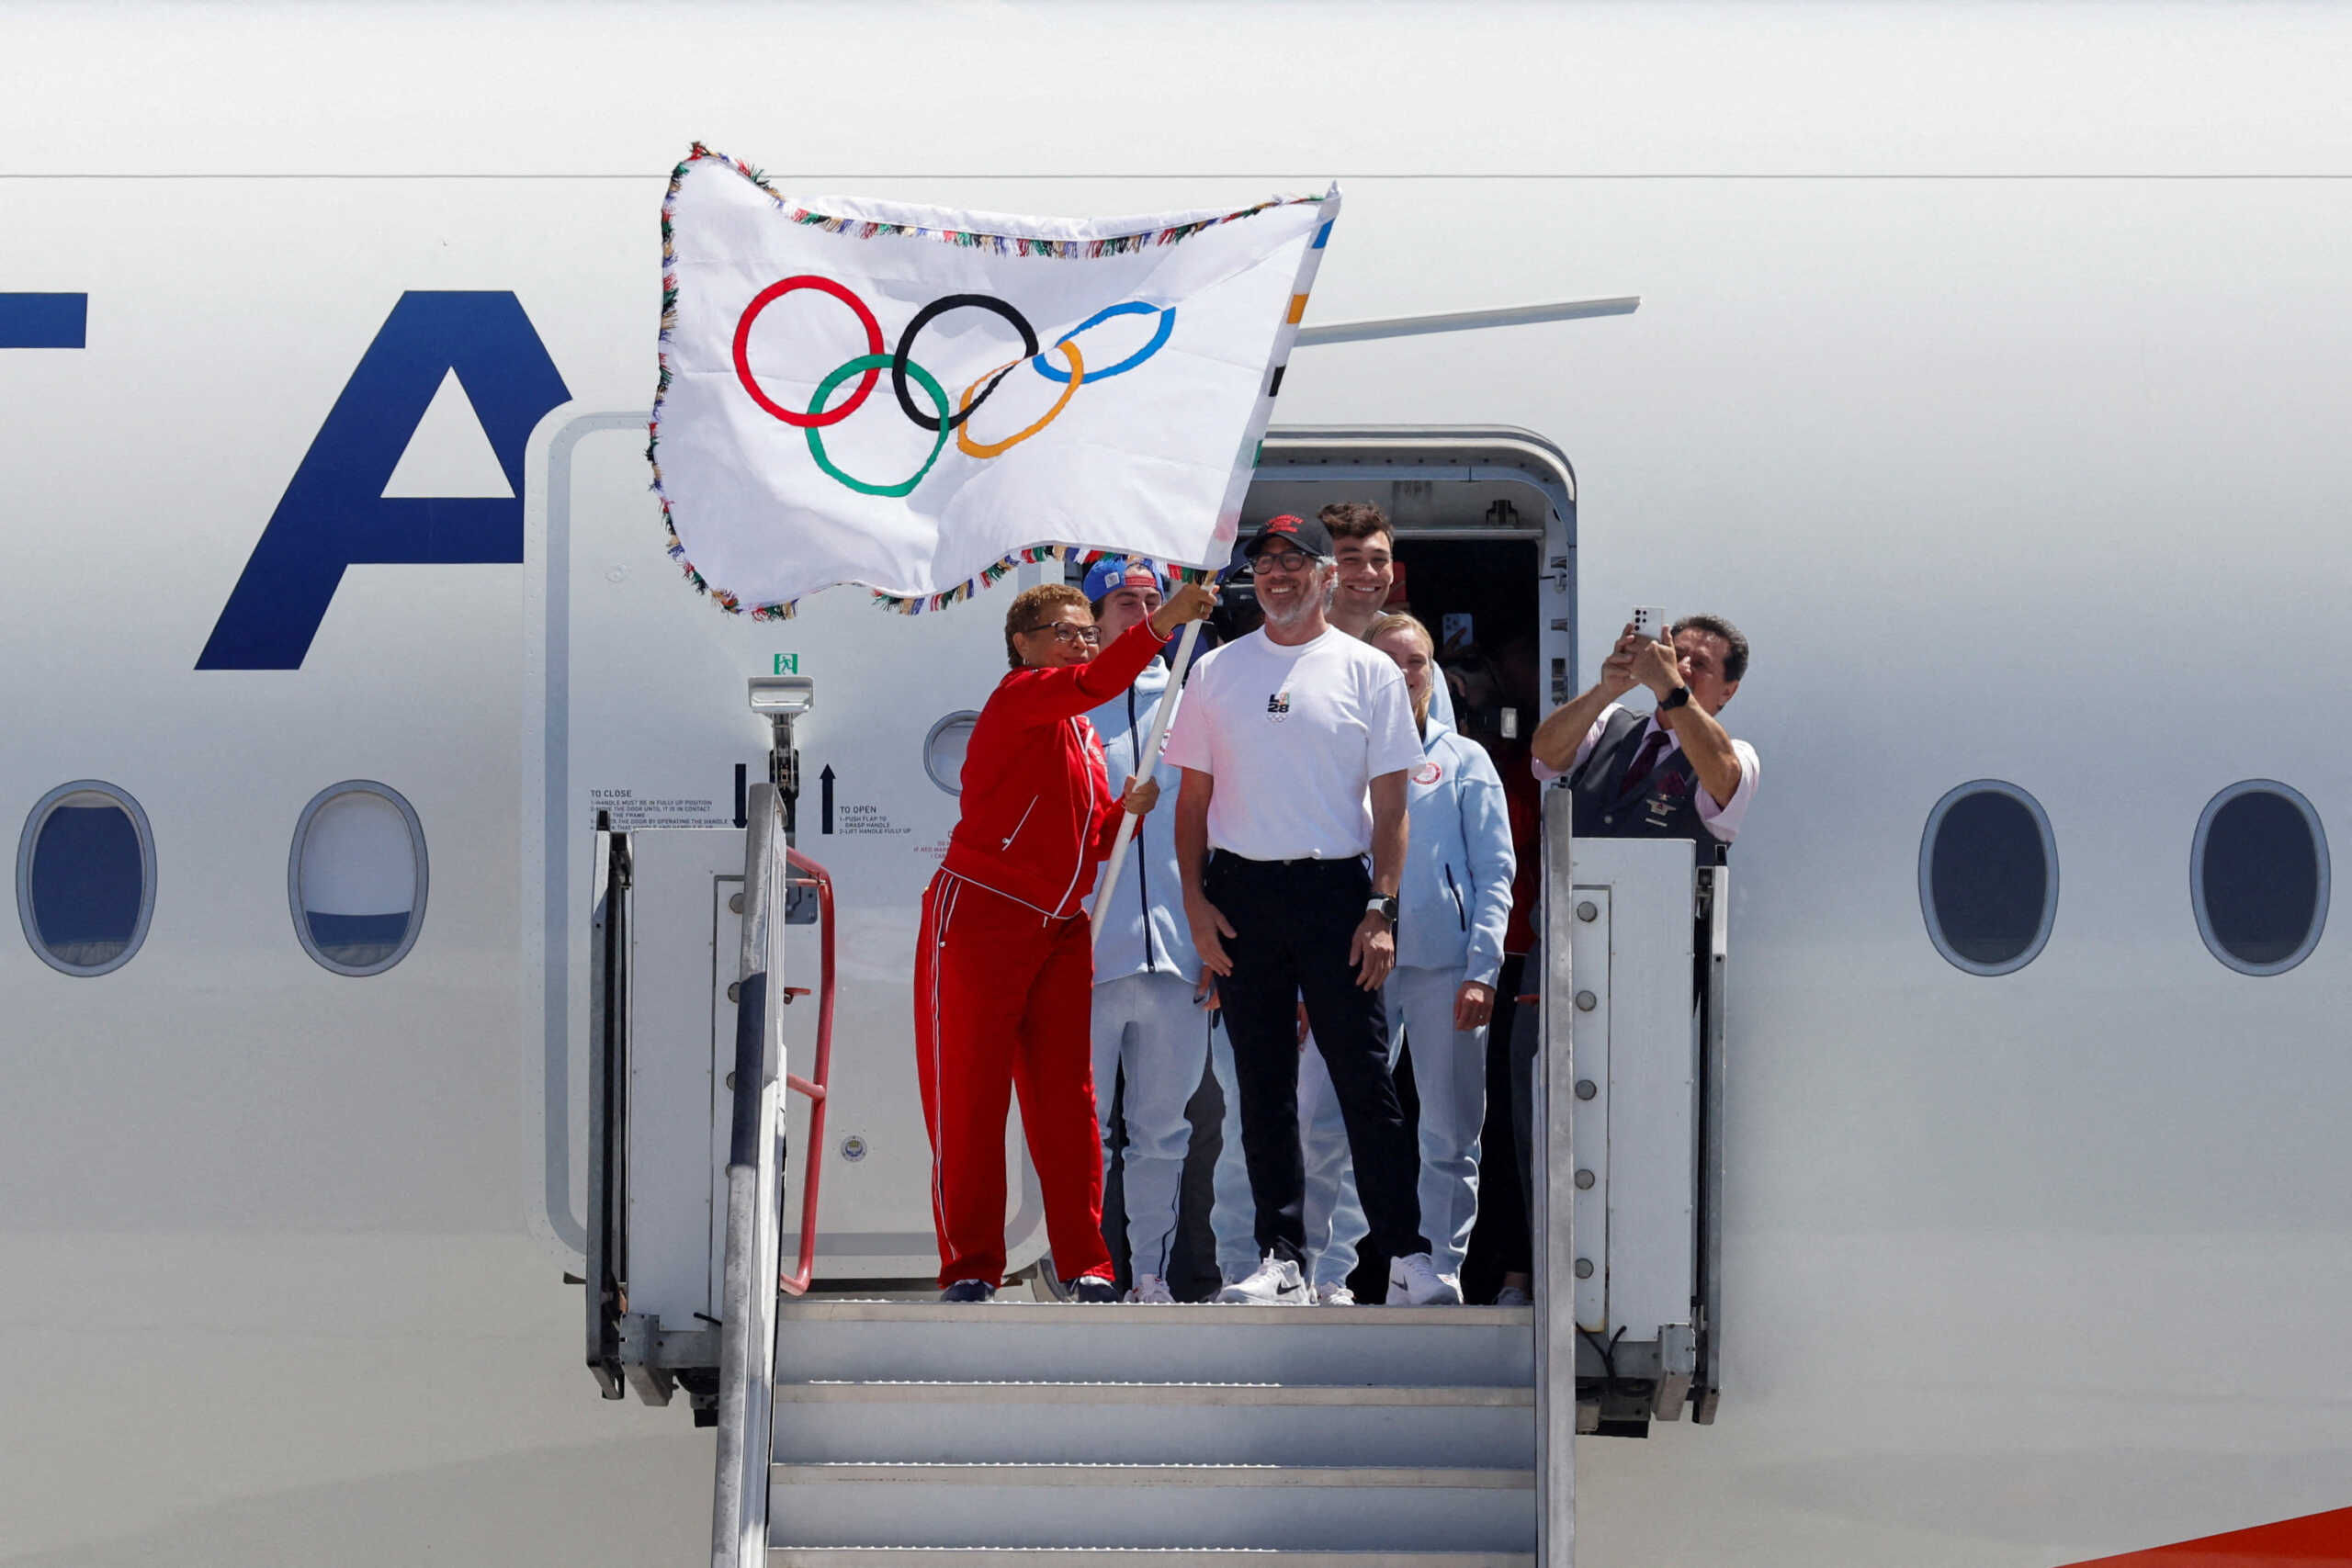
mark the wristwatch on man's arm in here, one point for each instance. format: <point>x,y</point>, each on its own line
<point>1383,905</point>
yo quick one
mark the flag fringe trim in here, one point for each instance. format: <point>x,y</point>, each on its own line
<point>1004,244</point>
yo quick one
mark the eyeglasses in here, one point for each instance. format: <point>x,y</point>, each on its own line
<point>1282,560</point>
<point>1065,633</point>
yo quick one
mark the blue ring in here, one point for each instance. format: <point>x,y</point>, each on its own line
<point>1126,308</point>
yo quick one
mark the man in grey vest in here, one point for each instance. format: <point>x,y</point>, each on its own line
<point>1674,772</point>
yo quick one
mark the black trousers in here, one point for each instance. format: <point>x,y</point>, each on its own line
<point>1294,921</point>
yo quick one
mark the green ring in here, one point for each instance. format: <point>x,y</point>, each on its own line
<point>873,362</point>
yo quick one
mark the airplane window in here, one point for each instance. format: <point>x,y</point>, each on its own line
<point>1988,877</point>
<point>85,878</point>
<point>2258,877</point>
<point>356,877</point>
<point>943,749</point>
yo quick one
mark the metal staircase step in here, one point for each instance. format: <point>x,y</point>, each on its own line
<point>858,1309</point>
<point>1045,1391</point>
<point>1241,1424</point>
<point>1127,1557</point>
<point>997,1473</point>
<point>1260,1508</point>
<point>843,1340</point>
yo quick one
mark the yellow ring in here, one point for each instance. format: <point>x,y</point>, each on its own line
<point>971,448</point>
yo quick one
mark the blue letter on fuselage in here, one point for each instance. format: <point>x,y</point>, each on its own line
<point>334,514</point>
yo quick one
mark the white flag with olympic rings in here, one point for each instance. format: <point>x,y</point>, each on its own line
<point>917,399</point>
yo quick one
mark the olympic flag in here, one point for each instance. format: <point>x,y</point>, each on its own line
<point>917,399</point>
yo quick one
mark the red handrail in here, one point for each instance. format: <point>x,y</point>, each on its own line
<point>813,1149</point>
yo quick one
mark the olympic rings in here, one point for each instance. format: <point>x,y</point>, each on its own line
<point>870,362</point>
<point>923,317</point>
<point>1127,308</point>
<point>1076,377</point>
<point>811,420</point>
<point>869,366</point>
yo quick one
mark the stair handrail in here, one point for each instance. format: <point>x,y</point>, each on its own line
<point>812,1160</point>
<point>1552,1161</point>
<point>755,1157</point>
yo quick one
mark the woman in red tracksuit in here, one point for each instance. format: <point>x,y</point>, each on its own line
<point>1004,966</point>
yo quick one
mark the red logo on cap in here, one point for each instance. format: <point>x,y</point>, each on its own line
<point>1282,525</point>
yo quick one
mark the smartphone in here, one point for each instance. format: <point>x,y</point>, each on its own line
<point>1650,621</point>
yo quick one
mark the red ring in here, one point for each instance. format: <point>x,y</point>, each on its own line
<point>760,301</point>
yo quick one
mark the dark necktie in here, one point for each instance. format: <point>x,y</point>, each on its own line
<point>1644,761</point>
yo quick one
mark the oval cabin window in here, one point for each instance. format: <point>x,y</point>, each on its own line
<point>943,749</point>
<point>2258,877</point>
<point>1988,877</point>
<point>85,878</point>
<point>356,877</point>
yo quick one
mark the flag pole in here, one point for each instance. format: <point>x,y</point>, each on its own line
<point>1192,634</point>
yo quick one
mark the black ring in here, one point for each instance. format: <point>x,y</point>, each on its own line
<point>922,319</point>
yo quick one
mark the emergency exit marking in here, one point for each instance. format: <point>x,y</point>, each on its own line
<point>786,664</point>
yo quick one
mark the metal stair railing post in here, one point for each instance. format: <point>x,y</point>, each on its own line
<point>819,1081</point>
<point>1553,1164</point>
<point>1707,1387</point>
<point>747,1324</point>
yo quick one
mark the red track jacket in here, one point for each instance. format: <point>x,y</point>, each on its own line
<point>1038,807</point>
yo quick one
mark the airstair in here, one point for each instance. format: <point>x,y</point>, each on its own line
<point>858,1424</point>
<point>923,1433</point>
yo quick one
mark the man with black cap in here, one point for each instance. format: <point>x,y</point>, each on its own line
<point>1295,741</point>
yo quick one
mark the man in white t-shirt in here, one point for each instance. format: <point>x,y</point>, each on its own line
<point>1295,741</point>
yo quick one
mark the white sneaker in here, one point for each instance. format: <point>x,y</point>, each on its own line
<point>1413,1280</point>
<point>1151,1291</point>
<point>1513,1296</point>
<point>1334,1296</point>
<point>1276,1282</point>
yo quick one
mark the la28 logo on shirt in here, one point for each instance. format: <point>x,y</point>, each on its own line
<point>1278,705</point>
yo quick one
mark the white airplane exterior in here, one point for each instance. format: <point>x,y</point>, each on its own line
<point>1989,370</point>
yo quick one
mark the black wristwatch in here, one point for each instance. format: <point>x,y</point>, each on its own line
<point>1383,906</point>
<point>1679,697</point>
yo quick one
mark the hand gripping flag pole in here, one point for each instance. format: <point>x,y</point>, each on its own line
<point>1127,820</point>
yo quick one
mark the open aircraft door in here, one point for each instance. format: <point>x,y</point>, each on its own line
<point>642,743</point>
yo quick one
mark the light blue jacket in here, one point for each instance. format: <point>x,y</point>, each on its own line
<point>1145,931</point>
<point>1455,899</point>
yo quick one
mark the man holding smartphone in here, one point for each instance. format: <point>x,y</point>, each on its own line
<point>1673,772</point>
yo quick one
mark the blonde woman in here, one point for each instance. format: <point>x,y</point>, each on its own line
<point>1453,903</point>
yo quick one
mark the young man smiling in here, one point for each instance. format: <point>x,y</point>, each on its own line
<point>1363,549</point>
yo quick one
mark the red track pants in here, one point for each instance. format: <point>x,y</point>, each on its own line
<point>1003,1000</point>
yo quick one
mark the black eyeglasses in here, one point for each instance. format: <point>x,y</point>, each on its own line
<point>1066,633</point>
<point>1281,560</point>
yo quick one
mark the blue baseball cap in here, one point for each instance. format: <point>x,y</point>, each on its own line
<point>1113,572</point>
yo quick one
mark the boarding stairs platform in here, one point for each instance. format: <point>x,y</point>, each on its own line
<point>854,1431</point>
<point>950,1435</point>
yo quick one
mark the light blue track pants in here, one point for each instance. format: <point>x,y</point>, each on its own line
<point>1449,1076</point>
<point>1234,1215</point>
<point>1146,1027</point>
